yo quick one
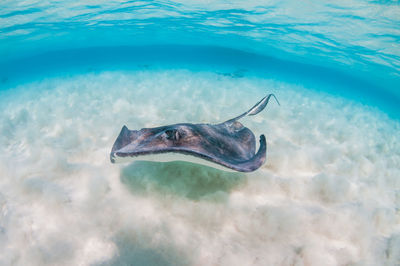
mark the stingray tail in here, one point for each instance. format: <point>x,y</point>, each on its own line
<point>256,108</point>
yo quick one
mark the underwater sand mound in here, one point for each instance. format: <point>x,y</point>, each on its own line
<point>327,195</point>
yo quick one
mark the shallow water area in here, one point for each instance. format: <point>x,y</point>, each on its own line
<point>73,73</point>
<point>328,194</point>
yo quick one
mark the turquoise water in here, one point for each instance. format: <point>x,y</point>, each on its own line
<point>351,43</point>
<point>73,73</point>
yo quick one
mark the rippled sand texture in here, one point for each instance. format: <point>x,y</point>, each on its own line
<point>328,194</point>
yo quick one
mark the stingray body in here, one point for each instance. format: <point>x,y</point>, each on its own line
<point>229,145</point>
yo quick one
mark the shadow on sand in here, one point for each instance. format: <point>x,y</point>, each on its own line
<point>183,179</point>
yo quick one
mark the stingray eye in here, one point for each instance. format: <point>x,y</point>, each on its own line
<point>172,134</point>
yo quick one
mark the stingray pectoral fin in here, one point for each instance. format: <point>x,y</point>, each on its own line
<point>255,162</point>
<point>123,139</point>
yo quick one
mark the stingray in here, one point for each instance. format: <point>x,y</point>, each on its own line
<point>228,145</point>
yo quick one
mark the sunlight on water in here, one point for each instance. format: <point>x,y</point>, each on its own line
<point>73,73</point>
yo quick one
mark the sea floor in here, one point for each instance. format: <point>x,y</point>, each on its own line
<point>329,193</point>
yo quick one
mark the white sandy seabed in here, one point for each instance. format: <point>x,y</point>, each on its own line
<point>329,193</point>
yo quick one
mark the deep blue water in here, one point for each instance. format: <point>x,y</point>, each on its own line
<point>348,48</point>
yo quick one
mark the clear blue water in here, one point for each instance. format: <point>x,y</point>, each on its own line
<point>352,45</point>
<point>72,73</point>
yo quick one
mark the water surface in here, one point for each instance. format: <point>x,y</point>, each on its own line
<point>71,74</point>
